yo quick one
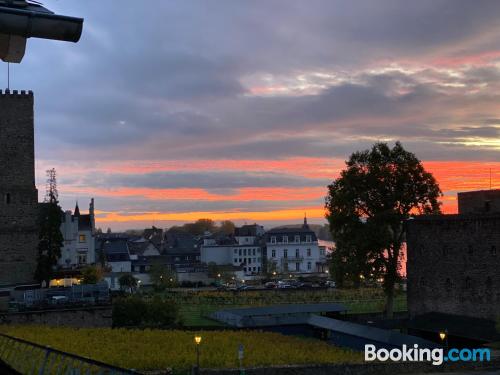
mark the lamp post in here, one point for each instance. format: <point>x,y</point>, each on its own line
<point>197,340</point>
<point>443,335</point>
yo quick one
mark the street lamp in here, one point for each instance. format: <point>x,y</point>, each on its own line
<point>443,335</point>
<point>197,340</point>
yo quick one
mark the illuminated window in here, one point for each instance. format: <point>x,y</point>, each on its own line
<point>82,238</point>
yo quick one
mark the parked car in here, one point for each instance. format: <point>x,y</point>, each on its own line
<point>271,285</point>
<point>330,284</point>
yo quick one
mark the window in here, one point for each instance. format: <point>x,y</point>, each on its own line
<point>285,253</point>
<point>321,251</point>
<point>82,258</point>
<point>239,252</point>
<point>468,282</point>
<point>236,251</point>
<point>82,238</point>
<point>7,198</point>
<point>244,251</point>
<point>308,252</point>
<point>235,260</point>
<point>297,266</point>
<point>448,285</point>
<point>493,250</point>
<point>308,266</point>
<point>273,239</point>
<point>253,252</point>
<point>445,250</point>
<point>297,253</point>
<point>240,261</point>
<point>297,239</point>
<point>308,238</point>
<point>285,239</point>
<point>273,254</point>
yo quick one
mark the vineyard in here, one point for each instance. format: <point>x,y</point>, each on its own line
<point>196,306</point>
<point>157,350</point>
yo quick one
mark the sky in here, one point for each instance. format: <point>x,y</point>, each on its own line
<point>170,111</point>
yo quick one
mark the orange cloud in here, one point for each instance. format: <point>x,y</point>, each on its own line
<point>277,215</point>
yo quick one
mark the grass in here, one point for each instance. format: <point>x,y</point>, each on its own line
<point>195,307</point>
<point>158,350</point>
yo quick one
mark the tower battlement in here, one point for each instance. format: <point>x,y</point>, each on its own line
<point>16,93</point>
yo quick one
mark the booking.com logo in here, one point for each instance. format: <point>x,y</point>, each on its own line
<point>416,354</point>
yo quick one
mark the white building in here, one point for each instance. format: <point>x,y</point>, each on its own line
<point>243,251</point>
<point>79,238</point>
<point>294,250</point>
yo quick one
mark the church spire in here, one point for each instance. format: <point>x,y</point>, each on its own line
<point>306,226</point>
<point>77,210</point>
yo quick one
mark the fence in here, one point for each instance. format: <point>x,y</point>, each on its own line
<point>28,358</point>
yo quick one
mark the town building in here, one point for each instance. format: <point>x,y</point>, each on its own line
<point>18,194</point>
<point>294,250</point>
<point>453,260</point>
<point>243,250</point>
<point>79,236</point>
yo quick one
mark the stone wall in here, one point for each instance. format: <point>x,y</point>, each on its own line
<point>79,318</point>
<point>481,201</point>
<point>453,263</point>
<point>18,194</point>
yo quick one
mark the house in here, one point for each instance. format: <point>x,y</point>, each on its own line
<point>294,250</point>
<point>78,231</point>
<point>243,251</point>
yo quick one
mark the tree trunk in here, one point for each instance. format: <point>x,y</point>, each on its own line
<point>389,304</point>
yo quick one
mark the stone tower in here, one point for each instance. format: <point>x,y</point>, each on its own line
<point>18,194</point>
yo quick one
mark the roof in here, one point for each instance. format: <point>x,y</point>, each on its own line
<point>384,336</point>
<point>116,250</point>
<point>300,308</point>
<point>457,325</point>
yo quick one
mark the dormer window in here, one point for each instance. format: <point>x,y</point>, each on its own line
<point>308,238</point>
<point>273,239</point>
<point>285,239</point>
<point>297,239</point>
<point>7,198</point>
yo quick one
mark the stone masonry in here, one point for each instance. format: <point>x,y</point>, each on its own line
<point>18,194</point>
<point>454,261</point>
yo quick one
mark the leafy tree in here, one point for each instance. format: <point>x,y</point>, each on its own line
<point>200,226</point>
<point>50,237</point>
<point>92,275</point>
<point>128,282</point>
<point>162,277</point>
<point>134,311</point>
<point>227,227</point>
<point>226,272</point>
<point>128,312</point>
<point>379,189</point>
